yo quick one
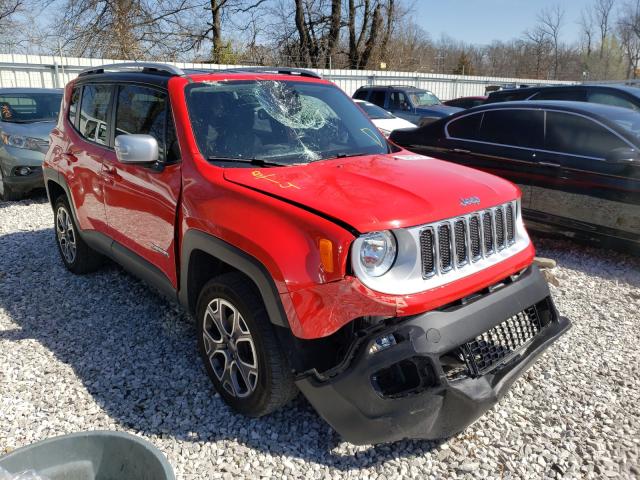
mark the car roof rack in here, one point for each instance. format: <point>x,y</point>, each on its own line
<point>145,67</point>
<point>280,70</point>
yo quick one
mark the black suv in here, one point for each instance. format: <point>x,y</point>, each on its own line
<point>616,95</point>
<point>417,105</point>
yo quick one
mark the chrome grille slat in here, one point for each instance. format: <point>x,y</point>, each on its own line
<point>499,226</point>
<point>427,248</point>
<point>444,247</point>
<point>458,242</point>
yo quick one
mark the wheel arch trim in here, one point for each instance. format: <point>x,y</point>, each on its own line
<point>194,240</point>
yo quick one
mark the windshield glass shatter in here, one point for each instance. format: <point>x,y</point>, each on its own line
<point>288,122</point>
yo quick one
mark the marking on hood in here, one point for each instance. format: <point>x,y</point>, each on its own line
<point>258,175</point>
<point>412,157</point>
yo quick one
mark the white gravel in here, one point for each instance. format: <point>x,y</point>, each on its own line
<point>104,352</point>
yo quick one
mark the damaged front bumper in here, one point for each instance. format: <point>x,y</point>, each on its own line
<point>430,376</point>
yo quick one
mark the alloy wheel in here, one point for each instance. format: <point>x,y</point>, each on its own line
<point>230,349</point>
<point>66,234</point>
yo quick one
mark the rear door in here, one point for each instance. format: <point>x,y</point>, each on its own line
<point>578,187</point>
<point>141,200</point>
<point>502,142</point>
<point>87,148</point>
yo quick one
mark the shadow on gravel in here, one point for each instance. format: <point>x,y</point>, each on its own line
<point>593,261</point>
<point>37,196</point>
<point>135,353</point>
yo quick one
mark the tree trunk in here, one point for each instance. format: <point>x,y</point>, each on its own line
<point>303,33</point>
<point>216,33</point>
<point>334,30</point>
<point>376,24</point>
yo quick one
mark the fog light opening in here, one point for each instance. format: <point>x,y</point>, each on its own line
<point>23,171</point>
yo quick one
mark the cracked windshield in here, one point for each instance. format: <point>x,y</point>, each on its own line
<point>279,122</point>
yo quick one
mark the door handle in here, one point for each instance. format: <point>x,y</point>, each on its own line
<point>461,150</point>
<point>549,164</point>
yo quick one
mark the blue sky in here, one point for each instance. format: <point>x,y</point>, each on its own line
<point>481,21</point>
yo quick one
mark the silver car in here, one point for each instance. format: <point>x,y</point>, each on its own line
<point>27,116</point>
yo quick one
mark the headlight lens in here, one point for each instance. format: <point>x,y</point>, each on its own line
<point>20,141</point>
<point>378,252</point>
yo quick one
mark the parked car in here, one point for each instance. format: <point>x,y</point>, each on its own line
<point>576,163</point>
<point>397,294</point>
<point>27,115</point>
<point>615,95</point>
<point>385,121</point>
<point>415,105</point>
<point>466,102</point>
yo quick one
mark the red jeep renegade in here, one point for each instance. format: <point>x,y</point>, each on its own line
<point>396,291</point>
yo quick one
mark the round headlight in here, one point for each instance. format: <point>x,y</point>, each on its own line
<point>378,252</point>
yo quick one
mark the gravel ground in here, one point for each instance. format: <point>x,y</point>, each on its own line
<point>104,352</point>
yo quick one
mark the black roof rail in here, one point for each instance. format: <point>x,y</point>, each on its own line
<point>146,67</point>
<point>280,70</point>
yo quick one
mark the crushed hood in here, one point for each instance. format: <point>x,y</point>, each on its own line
<point>379,192</point>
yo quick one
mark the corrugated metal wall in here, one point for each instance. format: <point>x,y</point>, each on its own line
<point>48,71</point>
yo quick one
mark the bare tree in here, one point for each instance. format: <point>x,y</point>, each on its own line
<point>629,35</point>
<point>537,40</point>
<point>602,13</point>
<point>587,30</point>
<point>550,22</point>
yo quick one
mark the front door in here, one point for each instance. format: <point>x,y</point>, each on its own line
<point>141,200</point>
<point>582,189</point>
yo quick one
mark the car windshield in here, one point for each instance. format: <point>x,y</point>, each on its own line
<point>423,98</point>
<point>374,112</point>
<point>288,122</point>
<point>29,107</point>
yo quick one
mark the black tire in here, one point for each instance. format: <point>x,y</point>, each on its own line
<point>274,387</point>
<point>84,258</point>
<point>7,193</point>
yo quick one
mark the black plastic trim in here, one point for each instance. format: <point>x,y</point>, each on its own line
<point>351,405</point>
<point>197,240</point>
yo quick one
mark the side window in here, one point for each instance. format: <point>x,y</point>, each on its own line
<point>398,101</point>
<point>93,113</point>
<point>73,104</point>
<point>142,110</point>
<point>572,95</point>
<point>568,133</point>
<point>361,95</point>
<point>377,97</point>
<point>611,99</point>
<point>466,128</point>
<point>518,128</point>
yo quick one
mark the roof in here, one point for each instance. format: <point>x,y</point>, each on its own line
<point>590,86</point>
<point>578,107</point>
<point>30,90</point>
<point>159,73</point>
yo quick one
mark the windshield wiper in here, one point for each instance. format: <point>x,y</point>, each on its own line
<point>252,161</point>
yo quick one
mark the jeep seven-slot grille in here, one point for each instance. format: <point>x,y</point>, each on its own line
<point>452,244</point>
<point>492,347</point>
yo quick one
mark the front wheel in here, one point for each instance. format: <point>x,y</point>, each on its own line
<point>239,348</point>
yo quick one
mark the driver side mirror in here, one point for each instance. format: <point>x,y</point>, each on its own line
<point>136,148</point>
<point>623,156</point>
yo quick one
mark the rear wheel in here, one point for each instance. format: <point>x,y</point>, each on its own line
<point>239,348</point>
<point>77,256</point>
